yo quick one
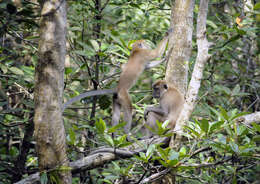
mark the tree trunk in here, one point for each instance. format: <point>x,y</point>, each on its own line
<point>49,82</point>
<point>180,44</point>
<point>197,74</point>
<point>180,51</point>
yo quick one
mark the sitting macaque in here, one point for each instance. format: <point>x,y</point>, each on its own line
<point>170,104</point>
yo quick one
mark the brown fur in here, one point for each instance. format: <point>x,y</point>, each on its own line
<point>140,56</point>
<point>170,104</point>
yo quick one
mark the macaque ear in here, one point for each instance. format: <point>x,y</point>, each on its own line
<point>165,86</point>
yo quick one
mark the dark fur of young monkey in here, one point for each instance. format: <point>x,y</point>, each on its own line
<point>140,56</point>
<point>170,104</point>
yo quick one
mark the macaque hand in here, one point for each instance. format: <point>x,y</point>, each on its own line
<point>169,31</point>
<point>146,112</point>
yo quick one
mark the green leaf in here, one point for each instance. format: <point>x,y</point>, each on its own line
<point>135,5</point>
<point>193,131</point>
<point>212,24</point>
<point>68,70</point>
<point>234,147</point>
<point>205,125</point>
<point>107,181</point>
<point>88,53</point>
<point>224,113</point>
<point>130,43</point>
<point>163,153</point>
<point>141,158</point>
<point>16,71</point>
<point>165,124</point>
<point>164,163</point>
<point>114,32</point>
<point>183,151</point>
<point>72,137</point>
<point>236,90</point>
<point>101,126</point>
<point>172,162</point>
<point>241,130</point>
<point>3,68</point>
<point>109,140</point>
<point>125,144</point>
<point>214,111</point>
<point>239,115</point>
<point>150,150</point>
<point>216,126</point>
<point>121,141</point>
<point>116,166</point>
<point>257,6</point>
<point>256,138</point>
<point>116,127</point>
<point>65,168</point>
<point>95,45</point>
<point>256,127</point>
<point>123,50</point>
<point>174,155</point>
<point>44,178</point>
<point>223,88</point>
<point>142,155</point>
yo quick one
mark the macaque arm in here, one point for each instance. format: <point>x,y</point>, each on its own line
<point>88,94</point>
<point>160,49</point>
<point>155,109</point>
<point>154,63</point>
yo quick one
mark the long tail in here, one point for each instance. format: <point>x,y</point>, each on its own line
<point>88,94</point>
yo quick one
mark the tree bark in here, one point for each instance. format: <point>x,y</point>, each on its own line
<point>197,74</point>
<point>180,44</point>
<point>49,82</point>
<point>249,118</point>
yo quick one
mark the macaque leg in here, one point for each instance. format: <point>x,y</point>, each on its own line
<point>151,122</point>
<point>125,102</point>
<point>128,119</point>
<point>116,111</point>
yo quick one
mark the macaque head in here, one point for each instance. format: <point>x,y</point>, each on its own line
<point>159,88</point>
<point>140,44</point>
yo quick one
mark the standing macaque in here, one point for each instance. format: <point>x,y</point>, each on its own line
<point>140,56</point>
<point>170,104</point>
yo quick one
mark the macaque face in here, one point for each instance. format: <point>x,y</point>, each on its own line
<point>140,44</point>
<point>158,89</point>
<point>156,92</point>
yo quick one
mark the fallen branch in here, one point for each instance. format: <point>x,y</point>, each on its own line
<point>249,118</point>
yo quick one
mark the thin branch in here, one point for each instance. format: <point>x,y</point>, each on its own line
<point>155,176</point>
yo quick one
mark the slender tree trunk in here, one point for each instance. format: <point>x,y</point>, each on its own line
<point>49,82</point>
<point>180,44</point>
<point>97,31</point>
<point>180,51</point>
<point>197,74</point>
